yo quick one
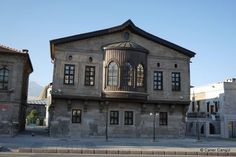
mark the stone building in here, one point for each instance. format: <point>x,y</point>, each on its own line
<point>212,111</point>
<point>107,82</point>
<point>15,68</point>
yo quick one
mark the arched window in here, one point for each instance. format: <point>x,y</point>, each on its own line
<point>112,77</point>
<point>140,75</point>
<point>128,74</point>
<point>4,73</point>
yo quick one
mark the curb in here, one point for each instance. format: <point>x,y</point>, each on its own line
<point>120,151</point>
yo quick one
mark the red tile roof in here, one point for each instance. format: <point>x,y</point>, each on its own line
<point>4,48</point>
<point>11,51</point>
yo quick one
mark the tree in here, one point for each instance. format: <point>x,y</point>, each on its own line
<point>32,116</point>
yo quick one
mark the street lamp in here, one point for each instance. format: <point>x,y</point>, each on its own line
<point>154,124</point>
<point>106,131</point>
<point>197,127</point>
<point>197,115</point>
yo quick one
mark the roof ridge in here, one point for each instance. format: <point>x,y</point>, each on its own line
<point>10,48</point>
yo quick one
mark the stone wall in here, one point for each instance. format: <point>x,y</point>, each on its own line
<point>93,120</point>
<point>13,100</point>
<point>92,47</point>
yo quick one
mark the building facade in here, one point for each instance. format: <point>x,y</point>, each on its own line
<point>15,68</point>
<point>212,111</point>
<point>108,82</point>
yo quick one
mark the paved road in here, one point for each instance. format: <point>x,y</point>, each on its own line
<point>81,155</point>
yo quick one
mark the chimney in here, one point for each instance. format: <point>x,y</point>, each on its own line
<point>25,50</point>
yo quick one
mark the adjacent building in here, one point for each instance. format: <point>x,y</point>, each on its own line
<point>112,82</point>
<point>15,68</point>
<point>212,111</point>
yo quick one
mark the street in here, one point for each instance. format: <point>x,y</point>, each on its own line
<point>82,155</point>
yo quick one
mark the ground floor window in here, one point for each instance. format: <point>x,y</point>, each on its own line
<point>163,119</point>
<point>76,116</point>
<point>114,117</point>
<point>129,116</point>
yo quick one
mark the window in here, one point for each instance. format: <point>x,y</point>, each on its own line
<point>89,75</point>
<point>140,76</point>
<point>158,80</point>
<point>114,117</point>
<point>216,106</point>
<point>76,116</point>
<point>193,107</point>
<point>112,74</point>
<point>4,77</point>
<point>163,119</point>
<point>198,106</point>
<point>128,74</point>
<point>175,81</point>
<point>129,115</point>
<point>69,72</point>
<point>208,106</point>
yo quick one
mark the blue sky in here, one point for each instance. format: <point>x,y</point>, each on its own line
<point>207,27</point>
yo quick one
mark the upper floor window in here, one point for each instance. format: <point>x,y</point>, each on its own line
<point>163,119</point>
<point>158,80</point>
<point>4,78</point>
<point>112,77</point>
<point>128,74</point>
<point>76,116</point>
<point>89,75</point>
<point>69,73</point>
<point>176,81</point>
<point>140,75</point>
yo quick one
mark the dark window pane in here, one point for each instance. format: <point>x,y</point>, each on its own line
<point>158,80</point>
<point>176,81</point>
<point>114,117</point>
<point>112,77</point>
<point>89,75</point>
<point>140,75</point>
<point>69,71</point>
<point>76,116</point>
<point>129,117</point>
<point>163,119</point>
<point>4,72</point>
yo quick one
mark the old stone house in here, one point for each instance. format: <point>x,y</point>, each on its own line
<point>117,82</point>
<point>15,68</point>
<point>212,111</point>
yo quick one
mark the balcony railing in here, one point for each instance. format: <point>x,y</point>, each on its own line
<point>196,114</point>
<point>213,116</point>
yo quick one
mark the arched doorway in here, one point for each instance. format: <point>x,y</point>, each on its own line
<point>212,129</point>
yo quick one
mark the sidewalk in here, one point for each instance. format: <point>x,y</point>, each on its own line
<point>26,143</point>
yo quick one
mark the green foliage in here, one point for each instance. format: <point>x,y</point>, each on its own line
<point>32,117</point>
